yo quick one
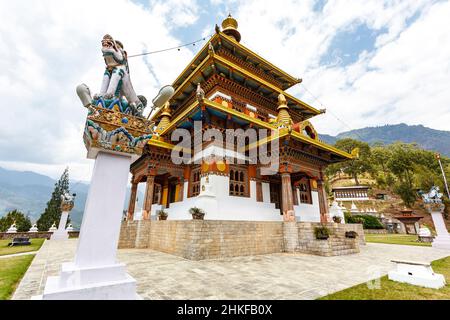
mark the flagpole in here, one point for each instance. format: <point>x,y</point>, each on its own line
<point>438,157</point>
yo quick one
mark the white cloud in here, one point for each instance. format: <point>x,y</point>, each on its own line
<point>48,48</point>
<point>52,46</point>
<point>399,81</point>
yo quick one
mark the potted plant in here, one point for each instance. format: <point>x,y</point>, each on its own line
<point>337,219</point>
<point>321,233</point>
<point>351,234</point>
<point>197,213</point>
<point>162,215</point>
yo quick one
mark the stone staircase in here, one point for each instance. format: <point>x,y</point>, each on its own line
<point>342,246</point>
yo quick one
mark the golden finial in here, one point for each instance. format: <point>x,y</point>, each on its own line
<point>230,28</point>
<point>166,110</point>
<point>284,117</point>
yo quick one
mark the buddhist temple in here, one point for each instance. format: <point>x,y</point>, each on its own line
<point>228,86</point>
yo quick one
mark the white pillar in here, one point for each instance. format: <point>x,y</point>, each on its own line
<point>266,192</point>
<point>95,274</point>
<point>61,233</point>
<point>442,240</point>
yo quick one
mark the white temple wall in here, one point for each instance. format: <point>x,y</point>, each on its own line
<point>219,205</point>
<point>266,192</point>
<point>308,212</point>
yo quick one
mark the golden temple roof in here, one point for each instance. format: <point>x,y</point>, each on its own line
<point>230,28</point>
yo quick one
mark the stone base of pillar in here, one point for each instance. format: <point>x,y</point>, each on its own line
<point>60,235</point>
<point>441,242</point>
<point>290,237</point>
<point>99,283</point>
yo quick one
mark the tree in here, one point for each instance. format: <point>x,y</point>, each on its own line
<point>52,212</point>
<point>357,166</point>
<point>405,192</point>
<point>23,223</point>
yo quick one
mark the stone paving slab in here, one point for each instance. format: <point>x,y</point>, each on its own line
<point>274,276</point>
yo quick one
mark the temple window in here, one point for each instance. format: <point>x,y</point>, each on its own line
<point>305,191</point>
<point>195,182</point>
<point>238,182</point>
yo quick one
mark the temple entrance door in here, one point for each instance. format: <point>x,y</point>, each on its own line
<point>157,194</point>
<point>172,193</point>
<point>275,194</point>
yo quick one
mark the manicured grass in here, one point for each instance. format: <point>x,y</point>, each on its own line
<point>391,290</point>
<point>11,272</point>
<point>35,245</point>
<point>405,239</point>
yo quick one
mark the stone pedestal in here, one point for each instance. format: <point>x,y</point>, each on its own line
<point>95,274</point>
<point>61,233</point>
<point>442,240</point>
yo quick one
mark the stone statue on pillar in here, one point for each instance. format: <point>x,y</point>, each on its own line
<point>433,203</point>
<point>67,204</point>
<point>115,134</point>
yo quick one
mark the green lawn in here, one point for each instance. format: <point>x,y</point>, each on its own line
<point>406,239</point>
<point>11,272</point>
<point>390,290</point>
<point>35,245</point>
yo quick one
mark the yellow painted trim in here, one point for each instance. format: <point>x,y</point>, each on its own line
<point>238,114</point>
<point>180,117</point>
<point>265,83</point>
<point>285,132</point>
<point>320,144</point>
<point>166,145</point>
<point>250,52</point>
<point>177,192</point>
<point>183,84</point>
<point>196,57</point>
<point>165,195</point>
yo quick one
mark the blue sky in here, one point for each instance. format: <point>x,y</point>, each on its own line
<point>369,62</point>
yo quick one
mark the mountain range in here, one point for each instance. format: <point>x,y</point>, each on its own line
<point>29,191</point>
<point>426,138</point>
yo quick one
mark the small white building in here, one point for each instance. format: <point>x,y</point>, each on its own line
<point>352,193</point>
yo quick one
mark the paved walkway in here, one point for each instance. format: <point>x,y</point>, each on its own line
<point>273,276</point>
<point>17,254</point>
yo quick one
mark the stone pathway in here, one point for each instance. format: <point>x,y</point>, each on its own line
<point>17,254</point>
<point>273,276</point>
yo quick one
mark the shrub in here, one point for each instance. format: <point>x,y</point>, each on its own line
<point>321,233</point>
<point>351,234</point>
<point>337,219</point>
<point>197,213</point>
<point>368,222</point>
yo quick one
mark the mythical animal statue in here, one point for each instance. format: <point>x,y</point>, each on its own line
<point>434,196</point>
<point>116,79</point>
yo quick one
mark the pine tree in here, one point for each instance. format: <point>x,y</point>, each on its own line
<point>52,213</point>
<point>23,223</point>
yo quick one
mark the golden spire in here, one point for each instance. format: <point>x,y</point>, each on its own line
<point>230,28</point>
<point>166,115</point>
<point>283,111</point>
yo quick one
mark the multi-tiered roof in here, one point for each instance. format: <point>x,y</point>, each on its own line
<point>257,91</point>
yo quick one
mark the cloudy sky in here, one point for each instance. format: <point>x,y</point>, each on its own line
<point>368,62</point>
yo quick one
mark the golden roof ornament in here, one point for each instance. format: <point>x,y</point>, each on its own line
<point>230,28</point>
<point>284,118</point>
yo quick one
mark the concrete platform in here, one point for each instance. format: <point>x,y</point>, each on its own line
<point>274,276</point>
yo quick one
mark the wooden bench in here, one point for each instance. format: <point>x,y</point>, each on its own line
<point>425,238</point>
<point>416,273</point>
<point>20,242</point>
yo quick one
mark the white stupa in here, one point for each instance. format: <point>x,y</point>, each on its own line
<point>53,228</point>
<point>354,209</point>
<point>336,211</point>
<point>424,232</point>
<point>34,228</point>
<point>12,229</point>
<point>70,228</point>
